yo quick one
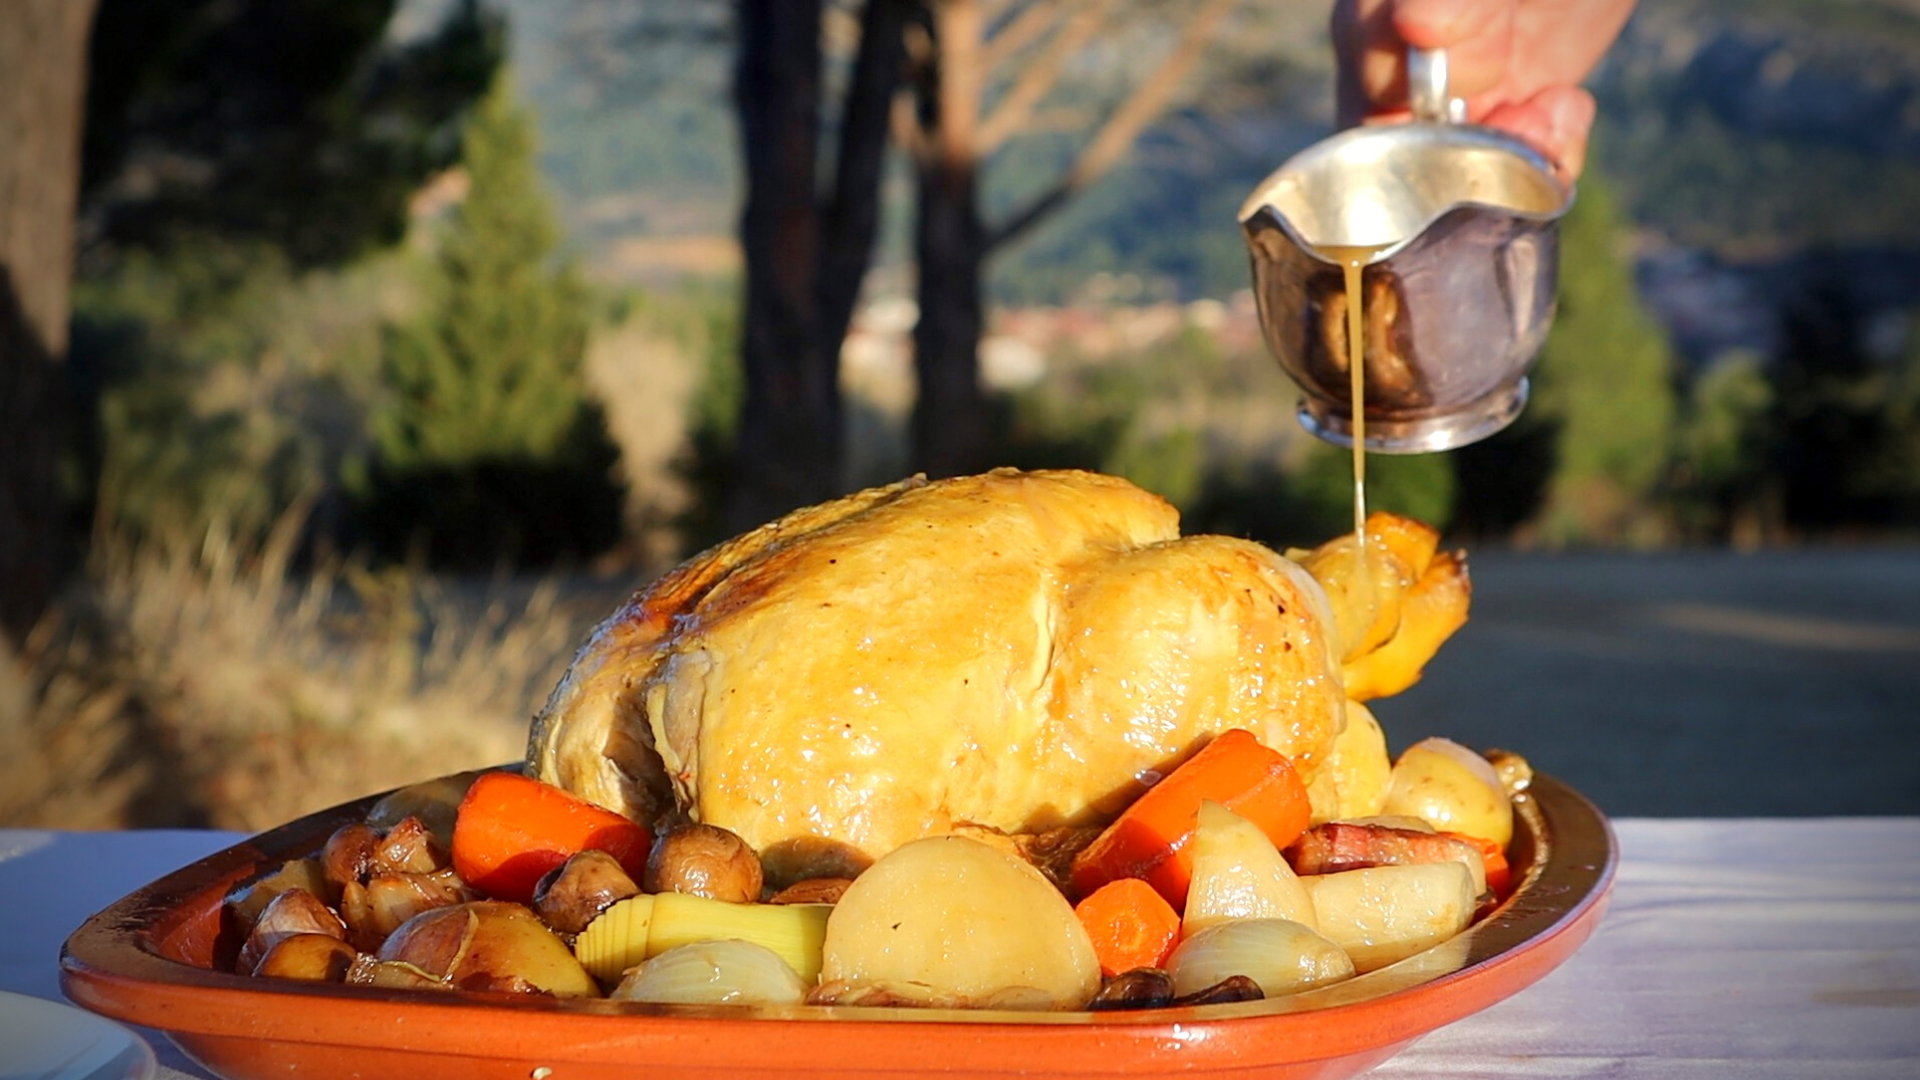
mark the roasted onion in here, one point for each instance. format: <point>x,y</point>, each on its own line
<point>1283,956</point>
<point>729,972</point>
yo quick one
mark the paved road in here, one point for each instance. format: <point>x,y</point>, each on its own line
<point>1781,683</point>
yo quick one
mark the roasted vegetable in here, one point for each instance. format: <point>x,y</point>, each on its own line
<point>377,908</point>
<point>645,926</point>
<point>795,932</point>
<point>1453,788</point>
<point>308,957</point>
<point>1151,838</point>
<point>1388,913</point>
<point>1140,988</point>
<point>489,945</point>
<point>435,802</point>
<point>1280,955</point>
<point>247,901</point>
<point>954,920</point>
<point>704,860</point>
<point>816,890</point>
<point>1239,874</point>
<point>292,911</point>
<point>511,830</point>
<point>728,972</point>
<point>1353,781</point>
<point>1131,926</point>
<point>574,893</point>
<point>616,940</point>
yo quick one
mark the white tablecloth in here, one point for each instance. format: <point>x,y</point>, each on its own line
<point>1751,948</point>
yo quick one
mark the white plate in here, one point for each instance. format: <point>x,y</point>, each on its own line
<point>45,1040</point>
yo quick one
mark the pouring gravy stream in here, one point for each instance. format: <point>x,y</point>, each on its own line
<point>1352,259</point>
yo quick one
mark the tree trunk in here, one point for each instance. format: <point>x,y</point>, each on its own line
<point>43,51</point>
<point>952,421</point>
<point>952,426</point>
<point>788,450</point>
<point>852,216</point>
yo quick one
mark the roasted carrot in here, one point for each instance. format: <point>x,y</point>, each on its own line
<point>1499,873</point>
<point>1131,925</point>
<point>1149,839</point>
<point>511,829</point>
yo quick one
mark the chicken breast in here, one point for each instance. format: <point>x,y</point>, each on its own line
<point>1014,650</point>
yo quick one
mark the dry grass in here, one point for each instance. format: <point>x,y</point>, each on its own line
<point>207,683</point>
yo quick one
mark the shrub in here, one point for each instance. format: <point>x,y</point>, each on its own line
<point>488,446</point>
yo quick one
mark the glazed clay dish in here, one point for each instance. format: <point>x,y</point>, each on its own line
<point>155,959</point>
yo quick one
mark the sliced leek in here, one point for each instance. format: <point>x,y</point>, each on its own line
<point>795,932</point>
<point>616,940</point>
<point>641,927</point>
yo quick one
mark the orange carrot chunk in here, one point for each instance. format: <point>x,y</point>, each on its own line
<point>1131,925</point>
<point>1499,873</point>
<point>511,829</point>
<point>1149,839</point>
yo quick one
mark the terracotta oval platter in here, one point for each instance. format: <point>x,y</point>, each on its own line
<point>150,960</point>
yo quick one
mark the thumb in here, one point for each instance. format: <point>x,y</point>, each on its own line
<point>1557,120</point>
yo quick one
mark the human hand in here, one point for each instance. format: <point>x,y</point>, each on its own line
<point>1517,63</point>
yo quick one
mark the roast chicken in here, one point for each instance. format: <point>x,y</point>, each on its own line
<point>1013,651</point>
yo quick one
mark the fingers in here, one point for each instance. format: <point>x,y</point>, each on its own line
<point>1518,63</point>
<point>1371,38</point>
<point>1440,24</point>
<point>1367,53</point>
<point>1557,120</point>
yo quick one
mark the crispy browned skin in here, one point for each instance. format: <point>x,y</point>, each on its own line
<point>1014,650</point>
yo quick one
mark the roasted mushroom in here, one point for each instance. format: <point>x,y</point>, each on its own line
<point>574,893</point>
<point>704,860</point>
<point>813,890</point>
<point>489,945</point>
<point>246,902</point>
<point>294,911</point>
<point>1140,988</point>
<point>1232,988</point>
<point>347,858</point>
<point>377,908</point>
<point>409,847</point>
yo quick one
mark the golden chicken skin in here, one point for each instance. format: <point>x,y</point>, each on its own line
<point>1015,650</point>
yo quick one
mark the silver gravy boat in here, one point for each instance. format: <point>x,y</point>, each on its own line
<point>1458,296</point>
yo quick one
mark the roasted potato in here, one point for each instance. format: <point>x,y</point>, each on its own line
<point>950,919</point>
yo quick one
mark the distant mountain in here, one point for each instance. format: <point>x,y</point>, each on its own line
<point>1742,131</point>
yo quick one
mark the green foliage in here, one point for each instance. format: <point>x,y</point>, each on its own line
<point>181,361</point>
<point>1895,468</point>
<point>488,445</point>
<point>240,158</point>
<point>1604,382</point>
<point>1702,182</point>
<point>1122,416</point>
<point>1844,415</point>
<point>1725,446</point>
<point>1155,417</point>
<point>705,322</point>
<point>1416,485</point>
<point>297,123</point>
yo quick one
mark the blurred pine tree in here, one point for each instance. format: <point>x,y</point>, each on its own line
<point>1586,461</point>
<point>1606,377</point>
<point>1725,453</point>
<point>489,446</point>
